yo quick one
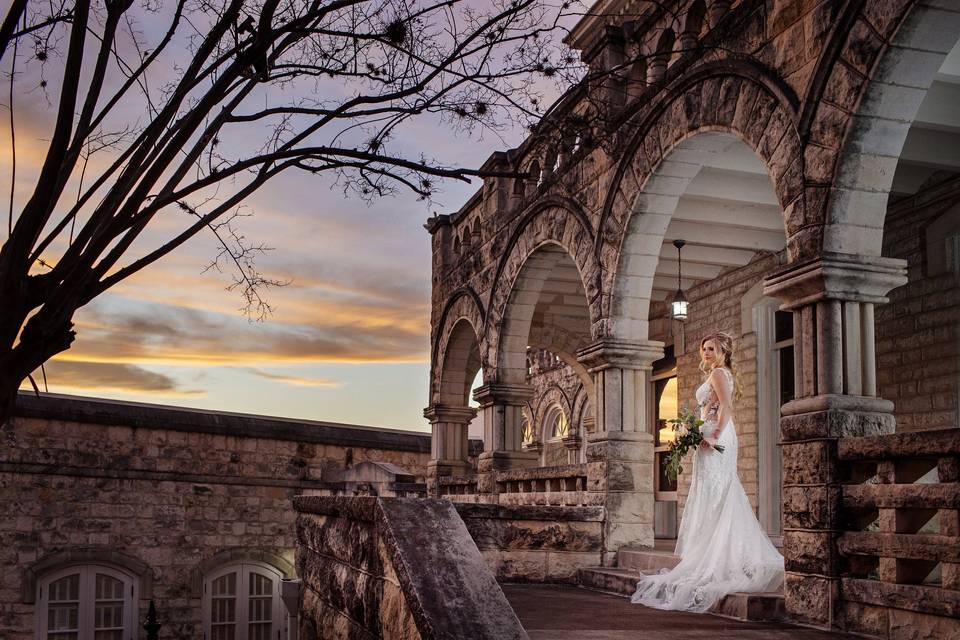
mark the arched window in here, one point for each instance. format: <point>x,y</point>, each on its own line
<point>558,427</point>
<point>242,602</point>
<point>87,602</point>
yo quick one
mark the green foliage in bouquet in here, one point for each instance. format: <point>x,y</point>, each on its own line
<point>687,435</point>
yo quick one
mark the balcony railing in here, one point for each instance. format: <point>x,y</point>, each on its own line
<point>900,544</point>
<point>564,485</point>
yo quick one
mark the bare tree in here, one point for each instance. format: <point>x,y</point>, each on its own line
<point>187,120</point>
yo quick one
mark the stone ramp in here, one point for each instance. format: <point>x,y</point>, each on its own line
<point>555,612</point>
<point>622,580</point>
<point>395,568</point>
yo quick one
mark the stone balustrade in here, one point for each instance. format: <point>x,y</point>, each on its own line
<point>561,486</point>
<point>899,547</point>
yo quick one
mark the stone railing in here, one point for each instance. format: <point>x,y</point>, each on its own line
<point>458,488</point>
<point>561,486</point>
<point>899,551</point>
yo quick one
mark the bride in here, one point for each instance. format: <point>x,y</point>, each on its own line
<point>721,546</point>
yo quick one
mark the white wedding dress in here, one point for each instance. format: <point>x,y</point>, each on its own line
<point>721,546</point>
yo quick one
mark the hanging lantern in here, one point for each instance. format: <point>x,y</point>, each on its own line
<point>678,306</point>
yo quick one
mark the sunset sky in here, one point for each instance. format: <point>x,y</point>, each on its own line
<point>349,337</point>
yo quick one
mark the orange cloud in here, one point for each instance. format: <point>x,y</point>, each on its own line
<point>298,381</point>
<point>104,377</point>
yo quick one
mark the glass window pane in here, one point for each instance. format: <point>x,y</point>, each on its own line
<point>667,405</point>
<point>66,589</point>
<point>260,631</point>
<point>783,326</point>
<point>225,585</point>
<point>260,585</point>
<point>223,632</point>
<point>786,375</point>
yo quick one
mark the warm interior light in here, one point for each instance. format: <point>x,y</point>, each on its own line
<point>678,308</point>
<point>666,435</point>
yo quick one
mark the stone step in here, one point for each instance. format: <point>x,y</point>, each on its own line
<point>756,607</point>
<point>646,560</point>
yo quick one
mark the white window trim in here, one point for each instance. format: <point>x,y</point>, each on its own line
<point>87,598</point>
<point>769,459</point>
<point>243,568</point>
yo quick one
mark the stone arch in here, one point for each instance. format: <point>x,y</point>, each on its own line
<point>457,349</point>
<point>664,156</point>
<point>237,556</point>
<point>553,231</point>
<point>101,556</point>
<point>859,131</point>
<point>553,396</point>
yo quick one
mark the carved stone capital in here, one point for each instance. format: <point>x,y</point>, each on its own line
<point>501,393</point>
<point>440,413</point>
<point>623,354</point>
<point>836,276</point>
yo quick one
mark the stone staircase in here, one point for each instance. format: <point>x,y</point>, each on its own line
<point>622,580</point>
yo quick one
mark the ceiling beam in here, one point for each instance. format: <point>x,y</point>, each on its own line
<point>742,214</point>
<point>725,235</point>
<point>724,257</point>
<point>722,184</point>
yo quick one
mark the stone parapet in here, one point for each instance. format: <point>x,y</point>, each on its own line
<point>395,569</point>
<point>535,543</point>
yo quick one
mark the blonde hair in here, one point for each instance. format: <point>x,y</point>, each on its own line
<point>723,342</point>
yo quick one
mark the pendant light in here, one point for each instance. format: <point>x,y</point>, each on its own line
<point>678,307</point>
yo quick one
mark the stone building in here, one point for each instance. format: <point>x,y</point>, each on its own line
<point>109,506</point>
<point>808,155</point>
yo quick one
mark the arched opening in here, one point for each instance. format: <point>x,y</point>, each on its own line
<point>451,415</point>
<point>713,192</point>
<point>918,338</point>
<point>546,321</point>
<point>905,131</point>
<point>660,60</point>
<point>692,25</point>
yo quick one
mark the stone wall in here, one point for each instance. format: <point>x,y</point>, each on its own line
<point>395,569</point>
<point>526,543</point>
<point>178,491</point>
<point>918,333</point>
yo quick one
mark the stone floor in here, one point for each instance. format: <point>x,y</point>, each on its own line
<point>568,613</point>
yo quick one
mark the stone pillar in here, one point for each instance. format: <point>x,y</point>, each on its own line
<point>620,451</point>
<point>572,444</point>
<point>832,301</point>
<point>502,406</point>
<point>449,442</point>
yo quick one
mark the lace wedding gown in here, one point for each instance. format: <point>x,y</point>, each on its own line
<point>721,546</point>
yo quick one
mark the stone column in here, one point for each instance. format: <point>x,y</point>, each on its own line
<point>620,451</point>
<point>832,301</point>
<point>502,406</point>
<point>449,442</point>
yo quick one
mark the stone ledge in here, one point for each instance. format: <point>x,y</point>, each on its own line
<point>902,596</point>
<point>149,475</point>
<point>934,443</point>
<point>530,512</point>
<point>542,473</point>
<point>912,546</point>
<point>914,496</point>
<point>149,416</point>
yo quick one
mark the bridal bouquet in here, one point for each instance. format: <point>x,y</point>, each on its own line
<point>686,427</point>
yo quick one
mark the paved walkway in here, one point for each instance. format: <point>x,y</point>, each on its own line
<point>569,613</point>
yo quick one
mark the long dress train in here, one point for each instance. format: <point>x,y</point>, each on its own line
<point>721,545</point>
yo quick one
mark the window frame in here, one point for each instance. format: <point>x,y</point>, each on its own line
<point>280,618</point>
<point>86,598</point>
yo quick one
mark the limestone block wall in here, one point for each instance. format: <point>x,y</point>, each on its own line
<point>918,333</point>
<point>176,490</point>
<point>527,543</point>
